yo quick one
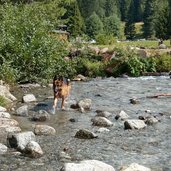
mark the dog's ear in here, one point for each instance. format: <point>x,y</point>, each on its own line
<point>55,78</point>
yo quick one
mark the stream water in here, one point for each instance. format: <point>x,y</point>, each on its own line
<point>150,147</point>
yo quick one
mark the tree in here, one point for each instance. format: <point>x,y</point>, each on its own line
<point>149,19</point>
<point>112,26</point>
<point>111,8</point>
<point>74,19</point>
<point>130,23</point>
<point>94,25</point>
<point>162,23</point>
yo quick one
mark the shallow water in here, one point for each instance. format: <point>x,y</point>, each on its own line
<point>150,147</point>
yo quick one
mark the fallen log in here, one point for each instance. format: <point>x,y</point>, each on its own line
<point>159,95</point>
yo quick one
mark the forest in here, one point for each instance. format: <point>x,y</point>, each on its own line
<point>28,53</point>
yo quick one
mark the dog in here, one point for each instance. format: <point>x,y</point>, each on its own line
<point>61,89</point>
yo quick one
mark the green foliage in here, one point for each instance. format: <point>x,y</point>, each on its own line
<point>163,63</point>
<point>112,26</point>
<point>104,39</point>
<point>3,101</point>
<point>94,25</point>
<point>25,40</point>
<point>8,73</point>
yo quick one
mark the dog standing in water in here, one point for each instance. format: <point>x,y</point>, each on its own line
<point>61,89</point>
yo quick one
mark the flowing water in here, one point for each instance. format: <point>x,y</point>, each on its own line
<point>150,147</point>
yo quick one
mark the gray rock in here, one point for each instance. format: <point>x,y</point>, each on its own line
<point>85,104</point>
<point>103,113</point>
<point>8,122</point>
<point>33,150</point>
<point>85,134</point>
<point>29,98</point>
<point>88,165</point>
<point>101,121</point>
<point>122,115</point>
<point>134,124</point>
<point>41,116</point>
<point>162,46</point>
<point>11,129</point>
<point>2,109</point>
<point>22,111</point>
<point>20,140</point>
<point>5,115</point>
<point>103,130</point>
<point>44,130</point>
<point>135,167</point>
<point>3,149</point>
<point>80,78</point>
<point>151,120</point>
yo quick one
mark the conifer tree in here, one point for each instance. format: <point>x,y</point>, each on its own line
<point>149,19</point>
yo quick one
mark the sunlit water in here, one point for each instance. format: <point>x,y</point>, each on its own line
<point>150,147</point>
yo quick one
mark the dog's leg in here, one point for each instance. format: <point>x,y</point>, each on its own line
<point>55,103</point>
<point>63,103</point>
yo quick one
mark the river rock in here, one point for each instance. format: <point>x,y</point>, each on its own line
<point>33,150</point>
<point>135,167</point>
<point>41,116</point>
<point>151,120</point>
<point>3,149</point>
<point>122,115</point>
<point>101,121</point>
<point>85,134</point>
<point>29,98</point>
<point>88,165</point>
<point>5,115</point>
<point>22,111</point>
<point>103,130</point>
<point>12,129</point>
<point>134,124</point>
<point>8,122</point>
<point>85,104</point>
<point>20,140</point>
<point>4,91</point>
<point>103,113</point>
<point>44,130</point>
<point>64,156</point>
<point>2,109</point>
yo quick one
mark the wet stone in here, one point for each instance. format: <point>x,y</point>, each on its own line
<point>85,134</point>
<point>22,111</point>
<point>88,165</point>
<point>134,124</point>
<point>20,140</point>
<point>44,130</point>
<point>33,150</point>
<point>101,121</point>
<point>135,167</point>
<point>41,116</point>
<point>103,113</point>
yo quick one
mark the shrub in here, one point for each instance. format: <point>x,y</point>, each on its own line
<point>104,39</point>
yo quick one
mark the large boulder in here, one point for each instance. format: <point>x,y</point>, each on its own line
<point>101,121</point>
<point>20,140</point>
<point>88,165</point>
<point>44,130</point>
<point>134,124</point>
<point>4,91</point>
<point>85,104</point>
<point>135,167</point>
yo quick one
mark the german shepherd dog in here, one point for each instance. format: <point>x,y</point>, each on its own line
<point>61,89</point>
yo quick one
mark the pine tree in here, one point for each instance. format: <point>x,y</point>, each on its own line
<point>149,19</point>
<point>94,25</point>
<point>74,19</point>
<point>162,23</point>
<point>130,23</point>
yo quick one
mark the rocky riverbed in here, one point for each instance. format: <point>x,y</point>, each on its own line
<point>116,144</point>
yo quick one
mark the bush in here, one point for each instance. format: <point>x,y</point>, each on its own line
<point>163,63</point>
<point>104,39</point>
